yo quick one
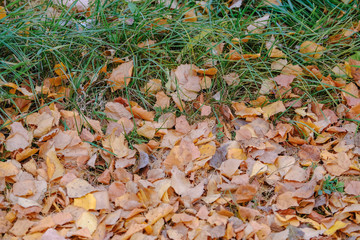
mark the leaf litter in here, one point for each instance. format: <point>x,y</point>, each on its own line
<point>68,176</point>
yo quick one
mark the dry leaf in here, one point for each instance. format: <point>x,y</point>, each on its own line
<point>190,16</point>
<point>187,81</point>
<point>139,112</point>
<point>19,138</point>
<point>80,5</point>
<point>245,193</point>
<point>312,49</point>
<point>162,100</point>
<point>87,220</point>
<point>121,76</point>
<point>78,188</point>
<point>8,169</point>
<point>273,109</point>
<point>2,12</point>
<point>284,80</point>
<point>353,188</point>
<point>232,79</point>
<point>355,69</point>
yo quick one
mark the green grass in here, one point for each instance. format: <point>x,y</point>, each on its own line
<point>31,44</point>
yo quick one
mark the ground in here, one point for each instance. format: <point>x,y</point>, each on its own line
<point>179,119</point>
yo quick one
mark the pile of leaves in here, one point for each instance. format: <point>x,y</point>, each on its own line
<point>277,167</point>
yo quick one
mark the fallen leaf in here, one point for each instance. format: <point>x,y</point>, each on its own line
<point>140,112</point>
<point>205,110</point>
<point>121,76</point>
<point>229,167</point>
<point>236,4</point>
<point>284,80</point>
<point>81,5</point>
<point>190,16</point>
<point>8,169</point>
<point>153,86</point>
<point>286,200</point>
<point>26,154</point>
<point>337,226</point>
<point>355,69</point>
<point>19,138</point>
<point>52,234</point>
<point>279,64</point>
<point>273,2</point>
<point>87,202</point>
<point>312,49</point>
<point>187,81</point>
<point>78,188</point>
<point>153,215</point>
<point>235,55</point>
<point>259,24</point>
<point>353,188</point>
<point>2,12</point>
<point>87,220</point>
<point>162,100</point>
<point>60,69</point>
<point>245,193</point>
<point>273,109</point>
<point>21,227</point>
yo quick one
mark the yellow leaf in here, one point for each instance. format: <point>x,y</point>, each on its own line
<point>236,153</point>
<point>207,151</point>
<point>273,109</point>
<point>60,69</point>
<point>25,154</point>
<point>338,225</point>
<point>88,202</point>
<point>190,16</point>
<point>54,167</point>
<point>258,169</point>
<point>2,13</point>
<point>87,220</point>
<point>312,49</point>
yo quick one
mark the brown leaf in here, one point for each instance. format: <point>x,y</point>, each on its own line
<point>52,234</point>
<point>19,138</point>
<point>120,76</point>
<point>153,215</point>
<point>245,193</point>
<point>284,80</point>
<point>190,16</point>
<point>355,70</point>
<point>181,155</point>
<point>153,86</point>
<point>78,188</point>
<point>140,112</point>
<point>290,69</point>
<point>162,100</point>
<point>232,79</point>
<point>353,188</point>
<point>336,164</point>
<point>24,188</point>
<point>235,56</point>
<point>273,109</point>
<point>116,189</point>
<point>312,49</point>
<point>183,187</point>
<point>25,154</point>
<point>116,111</point>
<point>188,81</point>
<point>21,227</point>
<point>286,200</point>
<point>309,152</point>
<point>8,169</point>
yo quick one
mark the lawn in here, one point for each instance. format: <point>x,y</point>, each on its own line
<point>179,119</point>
